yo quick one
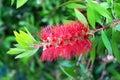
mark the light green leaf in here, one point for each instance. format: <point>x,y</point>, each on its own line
<point>75,5</point>
<point>21,2</point>
<point>80,17</point>
<point>106,42</point>
<point>24,46</point>
<point>101,10</point>
<point>26,37</point>
<point>29,34</point>
<point>98,18</point>
<point>23,38</point>
<point>91,16</point>
<point>27,53</point>
<point>12,1</point>
<point>21,42</point>
<point>15,51</point>
<point>105,5</point>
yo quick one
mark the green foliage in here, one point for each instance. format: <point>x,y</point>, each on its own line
<point>95,12</point>
<point>116,7</point>
<point>80,17</point>
<point>92,55</point>
<point>25,46</point>
<point>106,42</point>
<point>114,44</point>
<point>37,13</point>
<point>75,5</point>
<point>19,2</point>
<point>91,16</point>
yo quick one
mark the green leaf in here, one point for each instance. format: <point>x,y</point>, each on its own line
<point>98,18</point>
<point>12,1</point>
<point>75,5</point>
<point>114,72</point>
<point>24,46</point>
<point>106,42</point>
<point>101,10</point>
<point>92,54</point>
<point>69,71</point>
<point>26,37</point>
<point>91,16</point>
<point>29,34</point>
<point>115,45</point>
<point>21,41</point>
<point>80,17</point>
<point>101,46</point>
<point>21,2</point>
<point>15,51</point>
<point>27,53</point>
<point>116,10</point>
<point>23,38</point>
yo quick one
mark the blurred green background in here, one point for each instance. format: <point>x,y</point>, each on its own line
<point>36,14</point>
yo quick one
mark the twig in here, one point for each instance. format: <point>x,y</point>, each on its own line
<point>88,64</point>
<point>78,62</point>
<point>105,27</point>
<point>103,72</point>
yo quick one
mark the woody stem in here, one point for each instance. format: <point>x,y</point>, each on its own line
<point>78,62</point>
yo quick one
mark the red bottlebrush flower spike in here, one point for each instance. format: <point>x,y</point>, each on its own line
<point>64,41</point>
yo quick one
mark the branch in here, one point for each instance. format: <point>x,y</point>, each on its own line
<point>78,62</point>
<point>105,27</point>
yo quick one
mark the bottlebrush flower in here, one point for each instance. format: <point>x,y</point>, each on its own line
<point>66,41</point>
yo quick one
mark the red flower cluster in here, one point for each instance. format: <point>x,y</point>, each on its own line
<point>64,41</point>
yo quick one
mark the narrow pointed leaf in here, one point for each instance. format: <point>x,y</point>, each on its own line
<point>91,16</point>
<point>101,10</point>
<point>29,34</point>
<point>92,54</point>
<point>75,5</point>
<point>15,51</point>
<point>80,17</point>
<point>26,37</point>
<point>21,2</point>
<point>106,42</point>
<point>12,1</point>
<point>27,53</point>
